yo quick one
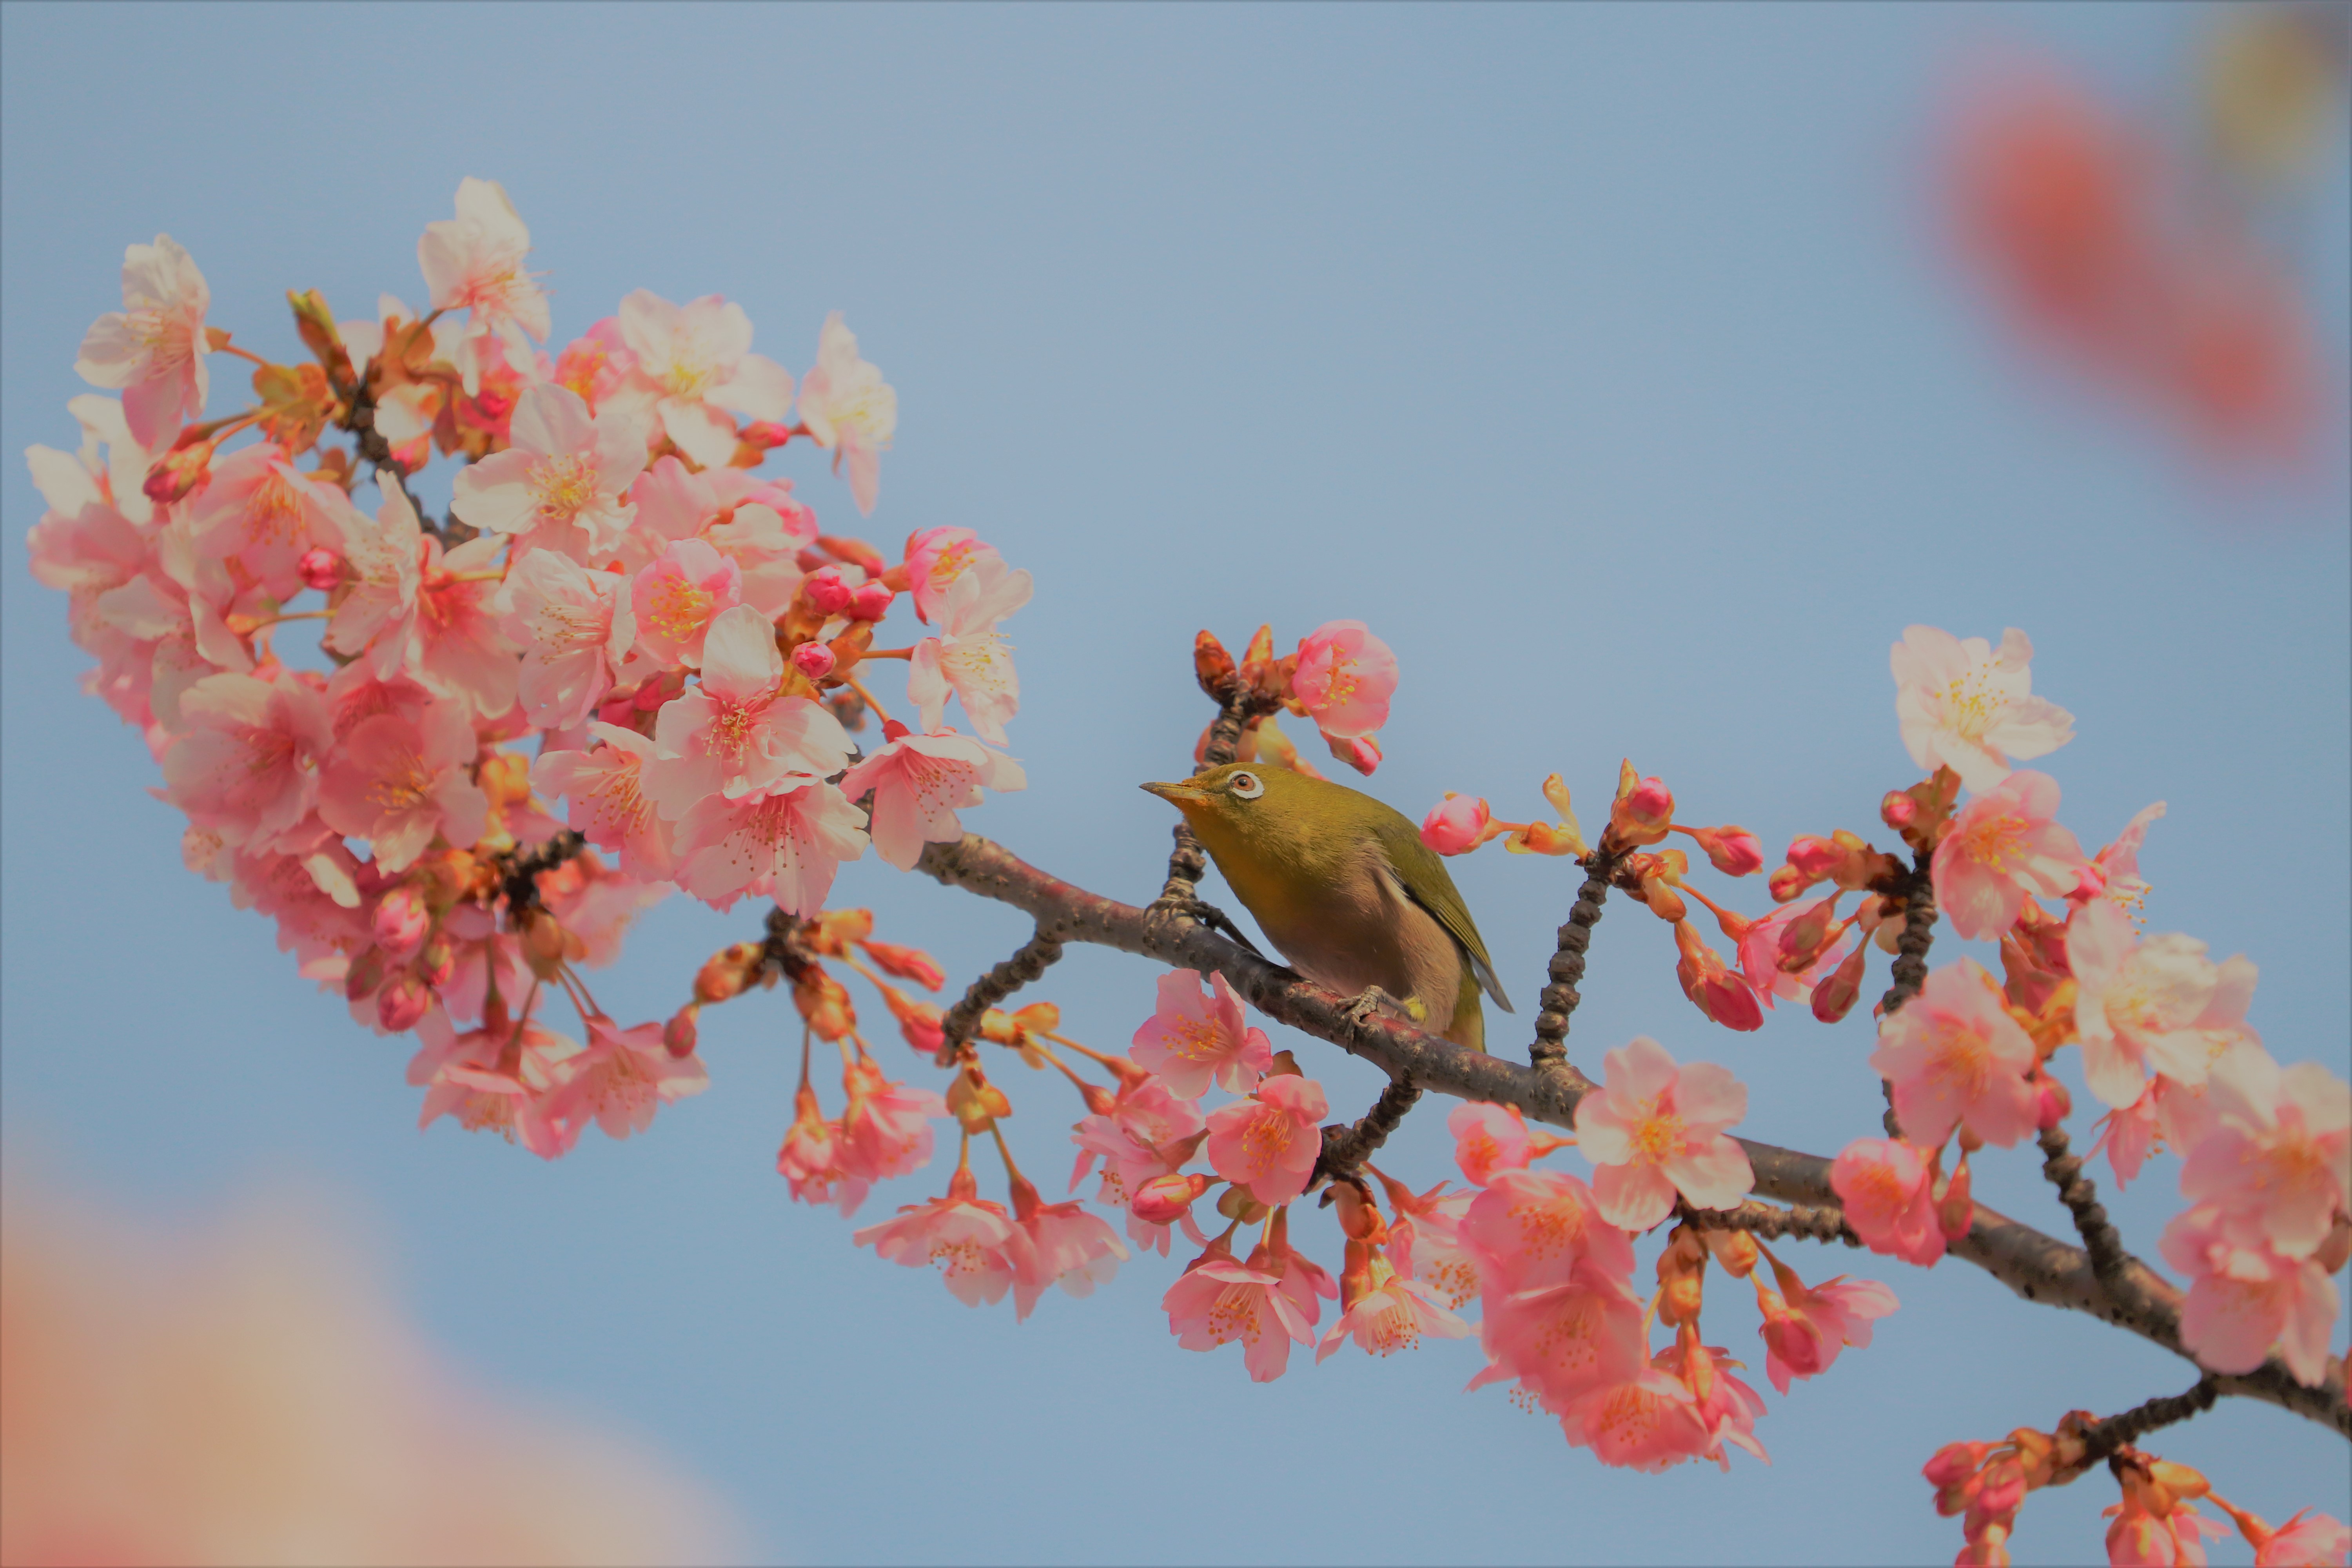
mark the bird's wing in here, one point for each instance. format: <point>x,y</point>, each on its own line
<point>1424,879</point>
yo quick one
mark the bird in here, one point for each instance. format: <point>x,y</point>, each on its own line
<point>1342,884</point>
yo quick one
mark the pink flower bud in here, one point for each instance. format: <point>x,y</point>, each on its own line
<point>437,962</point>
<point>400,923</point>
<point>1815,858</point>
<point>1734,851</point>
<point>1898,810</point>
<point>402,1001</point>
<point>681,1032</point>
<point>1163,1200</point>
<point>1652,803</point>
<point>2052,1103</point>
<point>1954,1463</point>
<point>813,659</point>
<point>870,602</point>
<point>1833,998</point>
<point>2004,1489</point>
<point>1643,811</point>
<point>1803,938</point>
<point>827,592</point>
<point>319,568</point>
<point>1360,752</point>
<point>1456,824</point>
<point>364,975</point>
<point>1787,882</point>
<point>1723,996</point>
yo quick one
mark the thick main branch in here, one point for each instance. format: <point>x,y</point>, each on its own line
<point>2039,1268</point>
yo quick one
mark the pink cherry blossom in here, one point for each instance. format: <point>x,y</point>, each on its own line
<point>1647,1421</point>
<point>1656,1130</point>
<point>2155,1004</point>
<point>1725,997</point>
<point>260,510</point>
<point>115,477</point>
<point>918,783</point>
<point>456,647</point>
<point>937,557</point>
<point>698,358</point>
<point>1531,1228</point>
<point>765,543</point>
<point>474,262</point>
<point>605,787</point>
<point>810,1158</point>
<point>1962,704</point>
<point>1488,1138</point>
<point>1058,1244</point>
<point>1146,1133</point>
<point>1268,1142</point>
<point>2003,848</point>
<point>1562,1340</point>
<point>154,348</point>
<point>1456,825</point>
<point>970,657</point>
<point>383,553</point>
<point>1956,1058</point>
<point>1344,678</point>
<point>405,412</point>
<point>735,734</point>
<point>2140,1537</point>
<point>1194,1037</point>
<point>564,479</point>
<point>849,409</point>
<point>1726,1408</point>
<point>1391,1315</point>
<point>785,843</point>
<point>494,1078</point>
<point>398,784</point>
<point>2114,871</point>
<point>971,1238</point>
<point>1804,1329</point>
<point>248,764</point>
<point>1759,954</point>
<point>573,626</point>
<point>886,1130</point>
<point>620,1078</point>
<point>596,905</point>
<point>1888,1192</point>
<point>1427,1245</point>
<point>2278,1158</point>
<point>680,595</point>
<point>1264,1303</point>
<point>2246,1298</point>
<point>175,613</point>
<point>2306,1539</point>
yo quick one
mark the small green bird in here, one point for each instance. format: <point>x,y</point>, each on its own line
<point>1344,888</point>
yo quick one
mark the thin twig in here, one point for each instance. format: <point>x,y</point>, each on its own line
<point>1345,1148</point>
<point>1026,964</point>
<point>1910,958</point>
<point>2064,1168</point>
<point>1810,1222</point>
<point>1560,999</point>
<point>2165,1410</point>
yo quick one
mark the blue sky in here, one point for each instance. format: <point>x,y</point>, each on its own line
<point>1605,361</point>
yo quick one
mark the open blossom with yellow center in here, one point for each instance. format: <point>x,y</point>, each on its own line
<point>1268,1142</point>
<point>2005,846</point>
<point>1194,1038</point>
<point>1656,1131</point>
<point>565,470</point>
<point>1956,1058</point>
<point>1965,705</point>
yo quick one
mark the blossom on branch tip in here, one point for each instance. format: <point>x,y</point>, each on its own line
<point>937,558</point>
<point>608,803</point>
<point>849,409</point>
<point>1956,1058</point>
<point>678,596</point>
<point>786,842</point>
<point>1489,1139</point>
<point>1387,1312</point>
<point>2277,1158</point>
<point>1058,1244</point>
<point>574,628</point>
<point>1344,678</point>
<point>620,1078</point>
<point>1805,1329</point>
<point>1267,1303</point>
<point>696,358</point>
<point>1962,704</point>
<point>1656,1130</point>
<point>1459,823</point>
<point>246,763</point>
<point>2148,1004</point>
<point>971,1240</point>
<point>397,783</point>
<point>154,349</point>
<point>563,481</point>
<point>736,733</point>
<point>1197,1036</point>
<point>970,658</point>
<point>473,262</point>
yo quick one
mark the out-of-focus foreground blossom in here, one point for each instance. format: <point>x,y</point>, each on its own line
<point>2113,251</point>
<point>247,1395</point>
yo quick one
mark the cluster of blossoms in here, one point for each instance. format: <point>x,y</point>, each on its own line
<point>689,659</point>
<point>619,614</point>
<point>2161,1026</point>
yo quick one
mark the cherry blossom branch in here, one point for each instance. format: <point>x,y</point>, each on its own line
<point>375,449</point>
<point>2118,1432</point>
<point>2039,1268</point>
<point>1345,1148</point>
<point>520,882</point>
<point>2100,1238</point>
<point>1799,1220</point>
<point>1029,960</point>
<point>1918,933</point>
<point>1566,970</point>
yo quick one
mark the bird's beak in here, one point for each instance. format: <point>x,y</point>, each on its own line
<point>1178,794</point>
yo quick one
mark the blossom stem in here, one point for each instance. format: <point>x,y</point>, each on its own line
<point>855,685</point>
<point>497,574</point>
<point>884,653</point>
<point>1004,1153</point>
<point>808,1041</point>
<point>1100,1058</point>
<point>244,354</point>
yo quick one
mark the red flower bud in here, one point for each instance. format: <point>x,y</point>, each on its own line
<point>683,1030</point>
<point>1163,1200</point>
<point>813,659</point>
<point>1833,998</point>
<point>319,568</point>
<point>826,591</point>
<point>402,1002</point>
<point>870,602</point>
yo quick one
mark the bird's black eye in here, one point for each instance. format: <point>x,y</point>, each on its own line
<point>1249,787</point>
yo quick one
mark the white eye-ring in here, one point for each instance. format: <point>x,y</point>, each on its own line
<point>1249,787</point>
